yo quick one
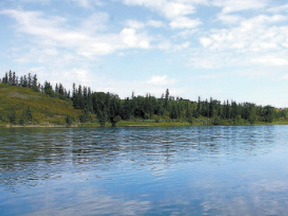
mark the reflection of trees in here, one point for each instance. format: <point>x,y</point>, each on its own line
<point>28,155</point>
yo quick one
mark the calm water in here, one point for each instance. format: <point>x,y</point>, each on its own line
<point>144,171</point>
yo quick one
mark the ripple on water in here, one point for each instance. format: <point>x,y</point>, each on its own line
<point>145,170</point>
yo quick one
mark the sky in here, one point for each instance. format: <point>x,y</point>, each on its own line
<point>225,49</point>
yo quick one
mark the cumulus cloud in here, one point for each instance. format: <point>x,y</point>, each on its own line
<point>53,31</point>
<point>173,10</point>
<point>161,80</point>
<point>260,40</point>
<point>176,11</point>
<point>256,34</point>
<point>130,38</point>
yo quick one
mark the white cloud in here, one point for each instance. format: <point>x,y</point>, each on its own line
<point>130,38</point>
<point>256,34</point>
<point>152,4</point>
<point>270,60</point>
<point>135,24</point>
<point>161,80</point>
<point>173,10</point>
<point>184,22</point>
<point>229,19</point>
<point>53,32</point>
<point>252,41</point>
<point>176,11</point>
<point>264,19</point>
<point>52,51</point>
<point>205,42</point>
<point>87,3</point>
<point>95,22</point>
<point>229,6</point>
<point>278,9</point>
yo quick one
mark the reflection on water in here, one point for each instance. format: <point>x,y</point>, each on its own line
<point>144,171</point>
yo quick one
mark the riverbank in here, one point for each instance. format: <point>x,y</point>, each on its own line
<point>207,122</point>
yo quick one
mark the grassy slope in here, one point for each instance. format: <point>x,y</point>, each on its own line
<point>45,110</point>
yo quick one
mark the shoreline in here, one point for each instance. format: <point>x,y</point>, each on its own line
<point>135,124</point>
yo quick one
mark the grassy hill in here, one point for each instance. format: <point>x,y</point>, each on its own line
<point>23,106</point>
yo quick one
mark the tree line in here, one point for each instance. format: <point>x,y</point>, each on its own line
<point>108,107</point>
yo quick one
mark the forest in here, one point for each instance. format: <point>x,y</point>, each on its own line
<point>110,108</point>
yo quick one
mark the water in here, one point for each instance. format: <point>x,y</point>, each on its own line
<point>144,171</point>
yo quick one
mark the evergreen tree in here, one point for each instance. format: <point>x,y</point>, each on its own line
<point>56,88</point>
<point>29,84</point>
<point>268,113</point>
<point>114,109</point>
<point>126,111</point>
<point>10,78</point>
<point>6,78</point>
<point>188,113</point>
<point>166,100</point>
<point>173,113</point>
<point>25,82</point>
<point>21,81</point>
<point>14,79</point>
<point>48,89</point>
<point>35,86</point>
<point>86,116</point>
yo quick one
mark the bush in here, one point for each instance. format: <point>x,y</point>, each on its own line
<point>69,120</point>
<point>156,118</point>
<point>190,120</point>
<point>217,121</point>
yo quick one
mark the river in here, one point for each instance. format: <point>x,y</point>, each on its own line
<point>215,170</point>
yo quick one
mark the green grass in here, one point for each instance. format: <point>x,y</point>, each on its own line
<point>45,109</point>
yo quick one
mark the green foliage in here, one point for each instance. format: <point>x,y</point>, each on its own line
<point>48,89</point>
<point>86,116</point>
<point>190,120</point>
<point>115,120</point>
<point>268,113</point>
<point>26,117</point>
<point>25,101</point>
<point>69,120</point>
<point>156,118</point>
<point>217,121</point>
<point>12,116</point>
<point>238,119</point>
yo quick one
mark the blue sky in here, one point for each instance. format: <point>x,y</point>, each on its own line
<point>225,49</point>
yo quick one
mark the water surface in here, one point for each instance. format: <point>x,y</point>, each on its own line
<point>238,170</point>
